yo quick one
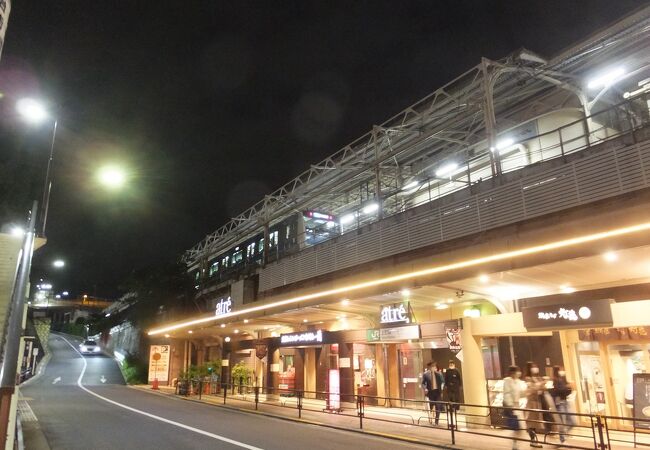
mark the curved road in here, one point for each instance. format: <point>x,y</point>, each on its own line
<point>82,412</point>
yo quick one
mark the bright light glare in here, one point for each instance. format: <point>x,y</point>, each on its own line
<point>411,185</point>
<point>405,292</point>
<point>484,278</point>
<point>505,143</point>
<point>370,208</point>
<point>227,339</point>
<point>345,302</point>
<point>606,79</point>
<point>610,256</point>
<point>57,296</point>
<point>107,315</point>
<point>65,293</point>
<point>447,169</point>
<point>348,218</point>
<point>567,289</point>
<point>17,231</point>
<point>31,110</point>
<point>59,263</point>
<point>112,177</point>
<point>46,286</point>
<point>471,312</point>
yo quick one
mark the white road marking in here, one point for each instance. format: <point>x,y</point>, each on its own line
<point>103,379</point>
<point>56,380</point>
<point>153,416</point>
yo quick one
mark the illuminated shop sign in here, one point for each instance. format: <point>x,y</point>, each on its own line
<point>303,338</point>
<point>397,313</point>
<point>223,307</point>
<point>583,314</point>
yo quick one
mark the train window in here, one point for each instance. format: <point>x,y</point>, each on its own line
<point>250,250</point>
<point>225,262</point>
<point>214,268</point>
<point>273,239</point>
<point>197,275</point>
<point>237,257</point>
<point>260,246</point>
<point>288,232</point>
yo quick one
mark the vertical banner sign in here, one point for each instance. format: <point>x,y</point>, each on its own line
<point>5,8</point>
<point>641,395</point>
<point>334,396</point>
<point>158,362</point>
<point>453,340</point>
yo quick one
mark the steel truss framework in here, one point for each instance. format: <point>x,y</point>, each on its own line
<point>459,121</point>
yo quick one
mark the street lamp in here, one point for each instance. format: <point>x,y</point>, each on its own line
<point>113,177</point>
<point>58,263</point>
<point>35,112</point>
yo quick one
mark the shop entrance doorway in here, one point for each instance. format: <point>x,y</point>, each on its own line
<point>410,377</point>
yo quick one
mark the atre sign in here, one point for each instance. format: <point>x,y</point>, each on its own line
<point>223,307</point>
<point>397,313</point>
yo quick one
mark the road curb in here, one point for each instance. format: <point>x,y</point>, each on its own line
<point>379,434</point>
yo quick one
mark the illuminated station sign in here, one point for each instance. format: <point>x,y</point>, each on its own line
<point>223,307</point>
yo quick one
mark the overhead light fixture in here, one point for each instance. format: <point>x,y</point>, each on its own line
<point>166,335</point>
<point>345,302</point>
<point>236,331</point>
<point>412,185</point>
<point>190,331</point>
<point>483,278</point>
<point>245,320</point>
<point>65,293</point>
<point>442,306</point>
<point>223,325</point>
<point>346,219</point>
<point>606,79</point>
<point>610,256</point>
<point>567,289</point>
<point>432,270</point>
<point>107,315</point>
<point>447,169</point>
<point>305,320</point>
<point>227,339</point>
<point>405,292</point>
<point>505,143</point>
<point>472,312</point>
<point>370,208</point>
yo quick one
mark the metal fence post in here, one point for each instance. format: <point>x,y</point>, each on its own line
<point>601,439</point>
<point>257,396</point>
<point>451,422</point>
<point>361,410</point>
<point>200,389</point>
<point>225,392</point>
<point>300,394</point>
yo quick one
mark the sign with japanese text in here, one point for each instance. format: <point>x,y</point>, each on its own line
<point>579,314</point>
<point>159,363</point>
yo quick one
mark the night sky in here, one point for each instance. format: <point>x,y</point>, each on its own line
<point>212,104</point>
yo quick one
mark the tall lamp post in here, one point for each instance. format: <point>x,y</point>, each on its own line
<point>35,113</point>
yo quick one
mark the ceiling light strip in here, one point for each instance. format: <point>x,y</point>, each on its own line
<point>415,274</point>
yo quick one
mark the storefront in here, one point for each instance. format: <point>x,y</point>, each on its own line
<point>604,346</point>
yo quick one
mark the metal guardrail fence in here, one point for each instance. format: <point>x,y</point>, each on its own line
<point>575,430</point>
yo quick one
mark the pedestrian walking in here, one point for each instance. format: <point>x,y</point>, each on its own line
<point>534,392</point>
<point>561,390</point>
<point>453,383</point>
<point>514,393</point>
<point>432,384</point>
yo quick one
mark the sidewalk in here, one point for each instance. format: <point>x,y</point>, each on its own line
<point>398,423</point>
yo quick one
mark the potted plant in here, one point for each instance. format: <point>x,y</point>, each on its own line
<point>240,374</point>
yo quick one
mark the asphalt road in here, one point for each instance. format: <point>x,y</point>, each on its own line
<point>110,415</point>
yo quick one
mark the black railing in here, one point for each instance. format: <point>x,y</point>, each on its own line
<point>574,430</point>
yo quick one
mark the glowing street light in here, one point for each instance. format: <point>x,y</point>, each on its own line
<point>31,110</point>
<point>58,263</point>
<point>112,177</point>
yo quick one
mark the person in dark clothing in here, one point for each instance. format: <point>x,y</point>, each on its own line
<point>453,383</point>
<point>432,384</point>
